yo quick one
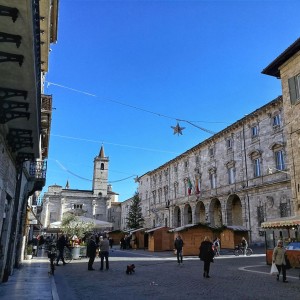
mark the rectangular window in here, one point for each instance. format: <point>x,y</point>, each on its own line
<point>159,195</point>
<point>186,165</point>
<point>211,151</point>
<point>283,210</point>
<point>256,166</point>
<point>254,131</point>
<point>276,121</point>
<point>231,177</point>
<point>212,178</point>
<point>279,160</point>
<point>229,143</point>
<point>260,215</point>
<point>294,87</point>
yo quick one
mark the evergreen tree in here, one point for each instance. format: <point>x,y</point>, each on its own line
<point>135,218</point>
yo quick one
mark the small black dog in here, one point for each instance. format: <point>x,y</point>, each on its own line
<point>130,269</point>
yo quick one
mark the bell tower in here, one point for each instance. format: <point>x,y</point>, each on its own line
<point>100,177</point>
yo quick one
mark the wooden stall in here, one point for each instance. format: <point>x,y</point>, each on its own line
<point>116,235</point>
<point>192,236</point>
<point>287,230</point>
<point>138,238</point>
<point>231,236</point>
<point>159,239</point>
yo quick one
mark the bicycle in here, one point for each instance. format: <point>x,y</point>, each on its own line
<point>52,254</point>
<point>67,255</point>
<point>240,251</point>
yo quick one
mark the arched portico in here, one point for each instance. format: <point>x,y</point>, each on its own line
<point>200,215</point>
<point>177,216</point>
<point>234,210</point>
<point>187,215</point>
<point>215,212</point>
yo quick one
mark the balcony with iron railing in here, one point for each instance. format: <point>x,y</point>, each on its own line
<point>37,174</point>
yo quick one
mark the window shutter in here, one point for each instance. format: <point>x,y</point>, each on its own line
<point>293,90</point>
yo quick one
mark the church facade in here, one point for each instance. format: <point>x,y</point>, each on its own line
<point>95,203</point>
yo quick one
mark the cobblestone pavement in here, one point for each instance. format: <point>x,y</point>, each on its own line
<point>158,276</point>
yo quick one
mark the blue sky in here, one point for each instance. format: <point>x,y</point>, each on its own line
<point>123,72</point>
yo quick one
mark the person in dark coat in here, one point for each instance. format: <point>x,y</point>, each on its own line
<point>206,255</point>
<point>91,252</point>
<point>61,244</point>
<point>178,245</point>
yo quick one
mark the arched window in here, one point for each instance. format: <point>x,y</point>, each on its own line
<point>102,166</point>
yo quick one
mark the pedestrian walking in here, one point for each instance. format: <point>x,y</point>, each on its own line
<point>217,246</point>
<point>104,252</point>
<point>91,252</point>
<point>244,245</point>
<point>178,245</point>
<point>61,244</point>
<point>111,242</point>
<point>279,259</point>
<point>207,255</point>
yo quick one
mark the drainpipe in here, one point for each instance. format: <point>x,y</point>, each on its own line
<point>247,184</point>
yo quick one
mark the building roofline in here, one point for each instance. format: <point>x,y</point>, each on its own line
<point>273,68</point>
<point>215,136</point>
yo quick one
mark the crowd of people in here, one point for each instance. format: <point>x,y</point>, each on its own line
<point>99,244</point>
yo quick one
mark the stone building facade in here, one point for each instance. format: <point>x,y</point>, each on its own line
<point>287,67</point>
<point>237,177</point>
<point>28,28</point>
<point>96,203</point>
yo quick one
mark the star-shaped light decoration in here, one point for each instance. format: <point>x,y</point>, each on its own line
<point>177,129</point>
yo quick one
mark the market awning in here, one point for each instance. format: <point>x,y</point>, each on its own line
<point>154,229</point>
<point>282,222</point>
<point>181,228</point>
<point>137,230</point>
<point>95,222</point>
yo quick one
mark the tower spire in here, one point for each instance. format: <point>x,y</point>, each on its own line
<point>101,154</point>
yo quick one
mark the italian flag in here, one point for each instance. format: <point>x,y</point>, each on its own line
<point>190,186</point>
<point>197,186</point>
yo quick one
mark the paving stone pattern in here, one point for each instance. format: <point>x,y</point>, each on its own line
<point>164,279</point>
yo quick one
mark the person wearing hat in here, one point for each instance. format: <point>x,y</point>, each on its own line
<point>91,252</point>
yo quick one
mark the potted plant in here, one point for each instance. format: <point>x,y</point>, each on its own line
<point>76,229</point>
<point>29,251</point>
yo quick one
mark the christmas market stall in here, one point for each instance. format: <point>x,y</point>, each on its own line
<point>139,239</point>
<point>159,239</point>
<point>231,236</point>
<point>192,236</point>
<point>285,229</point>
<point>116,236</point>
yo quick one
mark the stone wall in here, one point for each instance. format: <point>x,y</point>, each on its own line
<point>247,200</point>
